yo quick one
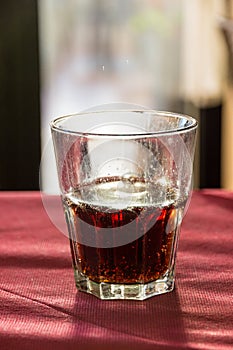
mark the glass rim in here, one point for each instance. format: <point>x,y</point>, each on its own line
<point>178,130</point>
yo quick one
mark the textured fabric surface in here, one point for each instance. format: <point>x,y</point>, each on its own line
<point>41,309</point>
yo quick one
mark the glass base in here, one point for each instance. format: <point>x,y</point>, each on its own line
<point>111,291</point>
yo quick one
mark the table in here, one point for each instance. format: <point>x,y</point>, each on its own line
<point>41,309</point>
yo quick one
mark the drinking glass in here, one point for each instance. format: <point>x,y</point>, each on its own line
<point>125,178</point>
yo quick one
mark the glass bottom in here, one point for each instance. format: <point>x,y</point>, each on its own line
<point>111,291</point>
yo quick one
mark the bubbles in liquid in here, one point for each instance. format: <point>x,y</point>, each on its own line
<point>124,192</point>
<point>122,236</point>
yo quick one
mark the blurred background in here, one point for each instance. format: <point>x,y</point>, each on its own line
<point>63,56</point>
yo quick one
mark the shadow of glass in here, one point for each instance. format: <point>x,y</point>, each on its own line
<point>119,324</point>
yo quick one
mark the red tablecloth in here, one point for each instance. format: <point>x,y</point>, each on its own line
<point>41,309</point>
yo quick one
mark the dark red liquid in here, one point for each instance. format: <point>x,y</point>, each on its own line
<point>145,258</point>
